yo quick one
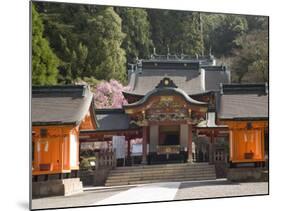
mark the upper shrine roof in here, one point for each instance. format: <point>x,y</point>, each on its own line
<point>194,75</point>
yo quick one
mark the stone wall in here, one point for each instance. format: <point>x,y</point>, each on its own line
<point>247,174</point>
<point>59,187</point>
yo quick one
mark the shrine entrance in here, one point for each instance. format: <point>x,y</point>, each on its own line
<point>167,116</point>
<point>168,148</point>
<point>169,135</point>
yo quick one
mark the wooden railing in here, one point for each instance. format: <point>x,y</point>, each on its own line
<point>168,149</point>
<point>105,159</point>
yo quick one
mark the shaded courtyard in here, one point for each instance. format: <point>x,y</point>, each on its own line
<point>165,191</point>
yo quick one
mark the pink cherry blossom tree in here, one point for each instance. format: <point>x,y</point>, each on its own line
<point>108,94</point>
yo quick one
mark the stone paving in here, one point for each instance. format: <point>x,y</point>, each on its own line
<point>145,193</point>
<point>83,199</point>
<point>169,191</point>
<point>195,190</point>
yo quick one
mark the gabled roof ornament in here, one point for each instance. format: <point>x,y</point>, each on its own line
<point>166,82</point>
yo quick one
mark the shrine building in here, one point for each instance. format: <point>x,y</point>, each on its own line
<point>185,109</point>
<point>180,109</point>
<point>58,114</point>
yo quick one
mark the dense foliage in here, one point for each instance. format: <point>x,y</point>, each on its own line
<point>176,31</point>
<point>44,61</point>
<point>95,43</point>
<point>250,62</point>
<point>135,25</point>
<point>222,31</point>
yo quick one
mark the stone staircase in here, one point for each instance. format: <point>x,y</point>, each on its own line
<point>160,173</point>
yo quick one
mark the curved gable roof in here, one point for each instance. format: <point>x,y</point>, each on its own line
<point>166,89</point>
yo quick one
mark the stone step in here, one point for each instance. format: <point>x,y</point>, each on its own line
<point>188,168</point>
<point>113,174</point>
<point>157,181</point>
<point>159,177</point>
<point>127,175</point>
<point>160,173</point>
<point>165,165</point>
<point>178,165</point>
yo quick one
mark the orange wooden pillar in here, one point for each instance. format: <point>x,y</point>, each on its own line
<point>189,144</point>
<point>144,144</point>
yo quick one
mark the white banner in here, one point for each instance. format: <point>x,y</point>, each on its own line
<point>118,143</point>
<point>137,149</point>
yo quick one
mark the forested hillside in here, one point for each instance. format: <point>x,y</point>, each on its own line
<point>74,42</point>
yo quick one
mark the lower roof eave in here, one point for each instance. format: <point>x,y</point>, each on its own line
<point>55,123</point>
<point>133,94</point>
<point>105,131</point>
<point>165,91</point>
<point>218,127</point>
<point>244,118</point>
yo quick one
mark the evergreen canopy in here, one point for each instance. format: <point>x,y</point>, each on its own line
<point>90,42</point>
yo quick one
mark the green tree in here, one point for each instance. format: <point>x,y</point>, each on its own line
<point>257,23</point>
<point>63,27</point>
<point>135,25</point>
<point>178,30</point>
<point>87,38</point>
<point>93,42</point>
<point>209,23</point>
<point>251,60</point>
<point>106,57</point>
<point>44,61</point>
<point>223,37</point>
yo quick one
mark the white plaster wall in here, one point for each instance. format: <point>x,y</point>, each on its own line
<point>73,150</point>
<point>183,135</point>
<point>153,137</point>
<point>202,72</point>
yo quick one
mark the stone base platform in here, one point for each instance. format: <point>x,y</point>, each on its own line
<point>59,187</point>
<point>247,174</point>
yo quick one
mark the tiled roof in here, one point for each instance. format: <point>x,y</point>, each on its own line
<point>112,119</point>
<point>188,80</point>
<point>213,78</point>
<point>240,104</point>
<point>60,104</point>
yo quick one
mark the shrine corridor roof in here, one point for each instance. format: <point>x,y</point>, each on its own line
<point>57,105</point>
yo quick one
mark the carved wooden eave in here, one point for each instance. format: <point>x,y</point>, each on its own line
<point>166,103</point>
<point>166,90</point>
